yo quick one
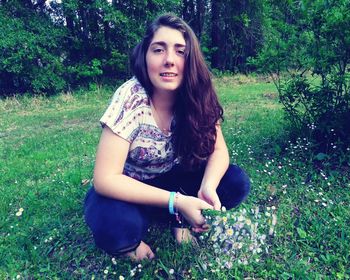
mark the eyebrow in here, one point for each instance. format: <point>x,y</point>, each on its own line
<point>163,44</point>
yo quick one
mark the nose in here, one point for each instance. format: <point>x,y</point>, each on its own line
<point>169,58</point>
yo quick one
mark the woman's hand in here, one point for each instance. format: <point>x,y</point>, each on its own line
<point>191,209</point>
<point>209,195</point>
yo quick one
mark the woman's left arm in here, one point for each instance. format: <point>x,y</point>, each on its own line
<point>217,165</point>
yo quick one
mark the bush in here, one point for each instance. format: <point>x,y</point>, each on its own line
<point>307,54</point>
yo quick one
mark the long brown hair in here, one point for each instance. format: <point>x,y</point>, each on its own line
<point>197,109</point>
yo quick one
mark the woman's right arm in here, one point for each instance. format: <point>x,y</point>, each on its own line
<point>110,181</point>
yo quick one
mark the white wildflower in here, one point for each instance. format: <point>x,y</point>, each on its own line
<point>274,219</point>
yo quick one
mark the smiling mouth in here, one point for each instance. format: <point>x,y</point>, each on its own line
<point>168,74</point>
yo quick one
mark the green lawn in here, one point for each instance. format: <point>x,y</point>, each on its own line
<point>47,150</point>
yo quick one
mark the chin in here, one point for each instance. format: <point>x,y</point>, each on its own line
<point>172,89</point>
<point>169,88</point>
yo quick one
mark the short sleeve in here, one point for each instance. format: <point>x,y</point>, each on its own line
<point>123,113</point>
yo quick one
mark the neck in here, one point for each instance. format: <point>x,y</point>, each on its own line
<point>162,106</point>
<point>163,102</point>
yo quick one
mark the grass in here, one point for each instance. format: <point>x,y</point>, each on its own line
<point>47,149</point>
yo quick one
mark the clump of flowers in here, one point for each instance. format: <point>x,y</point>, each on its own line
<point>111,271</point>
<point>19,212</point>
<point>238,236</point>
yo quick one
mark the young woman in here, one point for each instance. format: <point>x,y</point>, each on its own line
<point>162,152</point>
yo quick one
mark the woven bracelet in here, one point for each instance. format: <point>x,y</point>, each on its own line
<point>177,215</point>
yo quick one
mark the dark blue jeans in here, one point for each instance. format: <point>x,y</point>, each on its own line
<point>119,226</point>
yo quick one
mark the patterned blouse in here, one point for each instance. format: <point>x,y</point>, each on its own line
<point>129,115</point>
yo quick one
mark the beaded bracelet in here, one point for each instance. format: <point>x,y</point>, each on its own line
<point>177,215</point>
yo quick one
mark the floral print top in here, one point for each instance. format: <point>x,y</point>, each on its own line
<point>129,115</point>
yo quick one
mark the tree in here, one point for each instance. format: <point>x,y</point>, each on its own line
<point>194,12</point>
<point>236,31</point>
<point>29,50</point>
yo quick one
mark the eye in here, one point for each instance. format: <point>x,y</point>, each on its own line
<point>181,52</point>
<point>158,50</point>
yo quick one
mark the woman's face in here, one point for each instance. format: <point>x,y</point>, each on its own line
<point>165,59</point>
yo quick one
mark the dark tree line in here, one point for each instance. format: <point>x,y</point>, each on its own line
<point>49,46</point>
<point>236,32</point>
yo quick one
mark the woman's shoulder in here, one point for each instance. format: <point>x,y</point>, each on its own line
<point>130,95</point>
<point>131,89</point>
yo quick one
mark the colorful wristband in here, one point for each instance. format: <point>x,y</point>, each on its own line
<point>171,203</point>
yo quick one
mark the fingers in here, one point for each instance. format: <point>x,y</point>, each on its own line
<point>190,208</point>
<point>217,205</point>
<point>201,229</point>
<point>212,198</point>
<point>200,220</point>
<point>201,224</point>
<point>216,201</point>
<point>197,230</point>
<point>206,205</point>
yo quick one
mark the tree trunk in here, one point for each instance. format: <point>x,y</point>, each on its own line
<point>200,17</point>
<point>215,34</point>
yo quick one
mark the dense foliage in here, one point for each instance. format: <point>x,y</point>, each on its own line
<point>30,51</point>
<point>236,31</point>
<point>307,52</point>
<point>49,46</point>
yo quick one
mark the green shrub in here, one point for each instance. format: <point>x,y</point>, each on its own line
<point>307,54</point>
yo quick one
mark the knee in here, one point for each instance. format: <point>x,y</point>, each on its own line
<point>115,225</point>
<point>235,186</point>
<point>241,180</point>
